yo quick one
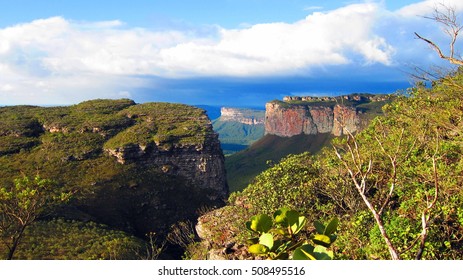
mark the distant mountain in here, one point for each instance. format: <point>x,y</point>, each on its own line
<point>313,115</point>
<point>238,128</point>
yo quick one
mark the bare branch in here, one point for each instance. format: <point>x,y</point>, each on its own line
<point>447,17</point>
<point>360,186</point>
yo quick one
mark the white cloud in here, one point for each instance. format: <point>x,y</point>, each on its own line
<point>426,7</point>
<point>312,8</point>
<point>276,48</point>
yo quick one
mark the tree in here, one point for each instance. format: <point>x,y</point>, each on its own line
<point>21,204</point>
<point>379,163</point>
<point>446,16</point>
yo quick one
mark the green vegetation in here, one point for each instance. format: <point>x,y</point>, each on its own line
<point>163,124</point>
<point>244,166</point>
<point>59,239</point>
<point>232,132</point>
<point>396,185</point>
<point>68,146</point>
<point>278,238</point>
<point>22,204</point>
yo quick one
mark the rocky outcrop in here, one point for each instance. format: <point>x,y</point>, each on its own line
<point>365,97</point>
<point>286,121</point>
<point>200,164</point>
<point>312,115</point>
<point>245,116</point>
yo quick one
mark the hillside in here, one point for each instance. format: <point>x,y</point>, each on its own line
<point>243,166</point>
<point>395,186</point>
<point>134,168</point>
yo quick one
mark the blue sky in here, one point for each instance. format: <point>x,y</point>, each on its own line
<point>222,52</point>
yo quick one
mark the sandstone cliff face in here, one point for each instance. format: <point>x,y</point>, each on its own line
<point>245,116</point>
<point>286,120</point>
<point>200,164</point>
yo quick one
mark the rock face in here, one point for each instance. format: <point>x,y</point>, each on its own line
<point>313,115</point>
<point>200,164</point>
<point>239,127</point>
<point>287,121</point>
<point>245,116</point>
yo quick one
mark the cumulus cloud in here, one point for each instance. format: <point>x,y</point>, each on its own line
<point>282,48</point>
<point>426,7</point>
<point>68,61</point>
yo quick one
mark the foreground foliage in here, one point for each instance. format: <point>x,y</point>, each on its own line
<point>278,238</point>
<point>23,203</point>
<point>60,239</point>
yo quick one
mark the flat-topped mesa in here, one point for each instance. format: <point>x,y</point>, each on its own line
<point>365,97</point>
<point>245,116</point>
<point>309,115</point>
<point>176,138</point>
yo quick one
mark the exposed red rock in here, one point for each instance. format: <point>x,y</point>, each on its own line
<point>286,120</point>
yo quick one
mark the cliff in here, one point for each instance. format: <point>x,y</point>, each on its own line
<point>136,167</point>
<point>244,116</point>
<point>239,127</point>
<point>315,115</point>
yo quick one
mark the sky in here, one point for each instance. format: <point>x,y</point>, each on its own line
<point>239,53</point>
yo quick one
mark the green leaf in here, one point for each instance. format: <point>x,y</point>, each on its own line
<point>319,227</point>
<point>295,221</point>
<point>304,252</point>
<point>258,249</point>
<point>260,223</point>
<point>321,253</point>
<point>299,225</point>
<point>277,231</point>
<point>321,239</point>
<point>292,216</point>
<point>280,216</point>
<point>267,240</point>
<point>331,227</point>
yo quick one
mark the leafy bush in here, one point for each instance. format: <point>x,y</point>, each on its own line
<point>278,238</point>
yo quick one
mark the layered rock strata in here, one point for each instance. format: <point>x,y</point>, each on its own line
<point>286,120</point>
<point>245,116</point>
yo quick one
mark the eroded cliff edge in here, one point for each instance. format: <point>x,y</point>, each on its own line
<point>314,115</point>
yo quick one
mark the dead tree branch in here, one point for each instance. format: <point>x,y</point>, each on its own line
<point>448,18</point>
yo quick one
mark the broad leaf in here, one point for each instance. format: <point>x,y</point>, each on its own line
<point>321,239</point>
<point>331,227</point>
<point>260,223</point>
<point>267,240</point>
<point>258,249</point>
<point>304,252</point>
<point>280,216</point>
<point>321,253</point>
<point>319,227</point>
<point>295,221</point>
<point>299,225</point>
